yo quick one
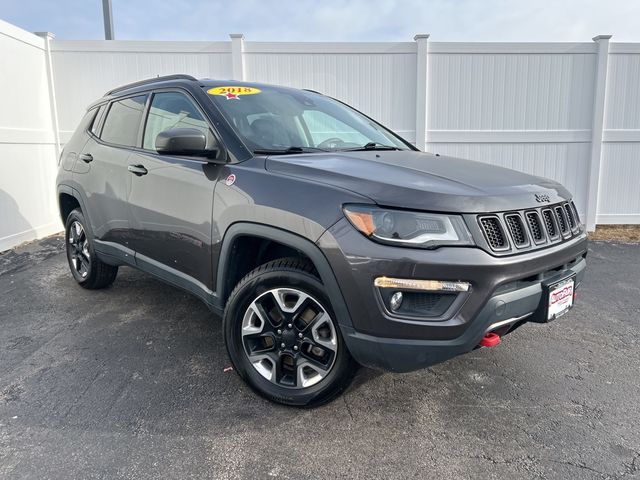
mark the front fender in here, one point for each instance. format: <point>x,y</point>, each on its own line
<point>289,239</point>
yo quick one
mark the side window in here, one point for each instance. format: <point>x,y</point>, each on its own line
<point>88,117</point>
<point>171,110</point>
<point>96,120</point>
<point>323,127</point>
<point>123,121</point>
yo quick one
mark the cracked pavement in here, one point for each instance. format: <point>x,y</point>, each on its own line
<point>128,382</point>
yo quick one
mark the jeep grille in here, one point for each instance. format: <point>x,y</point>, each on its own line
<point>529,229</point>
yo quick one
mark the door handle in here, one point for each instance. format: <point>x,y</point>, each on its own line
<point>86,157</point>
<point>138,170</point>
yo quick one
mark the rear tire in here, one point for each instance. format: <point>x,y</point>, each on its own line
<point>283,338</point>
<point>87,269</point>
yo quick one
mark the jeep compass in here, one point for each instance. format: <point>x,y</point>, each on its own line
<point>323,239</point>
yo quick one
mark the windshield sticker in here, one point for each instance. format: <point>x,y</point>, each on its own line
<point>233,93</point>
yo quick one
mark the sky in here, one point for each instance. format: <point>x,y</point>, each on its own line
<point>332,20</point>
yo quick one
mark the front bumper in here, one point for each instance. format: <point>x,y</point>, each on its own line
<point>503,288</point>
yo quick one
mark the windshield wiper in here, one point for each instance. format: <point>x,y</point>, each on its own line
<point>371,146</point>
<point>290,150</point>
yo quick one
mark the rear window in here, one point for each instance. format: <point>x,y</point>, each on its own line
<point>123,121</point>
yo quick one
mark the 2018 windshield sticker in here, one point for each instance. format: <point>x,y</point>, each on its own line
<point>233,93</point>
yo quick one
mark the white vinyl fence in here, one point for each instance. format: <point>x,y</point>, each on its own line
<point>568,111</point>
<point>28,148</point>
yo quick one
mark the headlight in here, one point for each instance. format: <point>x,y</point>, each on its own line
<point>413,229</point>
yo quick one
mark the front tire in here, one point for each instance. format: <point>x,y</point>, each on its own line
<point>282,336</point>
<point>87,269</point>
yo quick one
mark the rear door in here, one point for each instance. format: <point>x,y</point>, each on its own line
<point>102,169</point>
<point>171,198</point>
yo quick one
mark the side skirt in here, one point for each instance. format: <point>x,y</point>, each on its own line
<point>115,254</point>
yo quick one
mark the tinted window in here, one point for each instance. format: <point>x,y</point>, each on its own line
<point>96,120</point>
<point>171,110</point>
<point>123,121</point>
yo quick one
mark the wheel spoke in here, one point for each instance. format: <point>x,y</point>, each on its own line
<point>323,332</point>
<point>289,300</point>
<point>85,251</point>
<point>78,231</point>
<point>83,268</point>
<point>265,366</point>
<point>76,262</point>
<point>309,374</point>
<point>253,321</point>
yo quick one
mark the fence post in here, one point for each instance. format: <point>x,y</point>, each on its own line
<point>597,126</point>
<point>422,84</point>
<point>237,55</point>
<point>53,106</point>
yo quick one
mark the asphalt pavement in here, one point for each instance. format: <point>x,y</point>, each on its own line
<point>129,382</point>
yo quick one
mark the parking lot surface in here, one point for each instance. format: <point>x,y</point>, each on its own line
<point>129,382</point>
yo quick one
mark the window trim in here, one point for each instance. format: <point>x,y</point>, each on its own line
<point>97,119</point>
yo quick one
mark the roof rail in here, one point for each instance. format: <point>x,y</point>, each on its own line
<point>164,78</point>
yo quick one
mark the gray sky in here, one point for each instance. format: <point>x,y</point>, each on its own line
<point>331,20</point>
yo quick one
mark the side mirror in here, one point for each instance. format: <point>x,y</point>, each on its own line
<point>187,142</point>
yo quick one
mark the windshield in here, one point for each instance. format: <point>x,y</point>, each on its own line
<point>272,119</point>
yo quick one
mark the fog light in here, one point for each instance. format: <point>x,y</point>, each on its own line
<point>396,301</point>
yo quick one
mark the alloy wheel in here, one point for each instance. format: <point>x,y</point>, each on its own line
<point>79,249</point>
<point>289,338</point>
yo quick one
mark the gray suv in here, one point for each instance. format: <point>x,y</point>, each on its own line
<point>322,238</point>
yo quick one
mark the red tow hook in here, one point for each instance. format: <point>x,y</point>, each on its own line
<point>490,340</point>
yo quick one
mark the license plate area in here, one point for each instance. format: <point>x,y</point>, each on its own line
<point>559,297</point>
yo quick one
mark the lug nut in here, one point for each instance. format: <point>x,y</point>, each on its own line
<point>279,332</point>
<point>290,325</point>
<point>295,347</point>
<point>282,345</point>
<point>300,335</point>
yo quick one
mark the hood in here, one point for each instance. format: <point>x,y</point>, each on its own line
<point>423,181</point>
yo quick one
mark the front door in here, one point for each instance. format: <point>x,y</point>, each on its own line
<point>171,198</point>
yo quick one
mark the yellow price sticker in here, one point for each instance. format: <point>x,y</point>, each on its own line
<point>233,93</point>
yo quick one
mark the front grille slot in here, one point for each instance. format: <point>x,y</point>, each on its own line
<point>516,229</point>
<point>493,233</point>
<point>535,226</point>
<point>562,221</point>
<point>550,223</point>
<point>568,209</point>
<point>575,214</point>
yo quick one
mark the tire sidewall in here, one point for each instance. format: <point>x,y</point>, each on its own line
<point>237,305</point>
